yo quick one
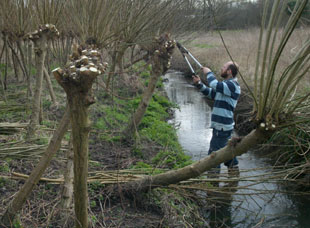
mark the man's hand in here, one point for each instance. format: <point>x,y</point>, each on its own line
<point>205,70</point>
<point>196,79</point>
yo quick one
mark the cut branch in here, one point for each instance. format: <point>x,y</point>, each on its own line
<point>175,176</point>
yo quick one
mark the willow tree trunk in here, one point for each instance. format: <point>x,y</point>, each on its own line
<point>22,60</point>
<point>16,67</point>
<point>120,58</point>
<point>28,75</point>
<point>50,86</point>
<point>16,204</point>
<point>161,54</point>
<point>77,82</point>
<point>40,40</point>
<point>67,191</point>
<point>1,82</point>
<point>40,54</point>
<point>3,90</point>
<point>117,64</point>
<point>41,112</point>
<point>196,169</point>
<point>80,132</point>
<point>144,103</point>
<point>7,62</point>
<point>19,56</point>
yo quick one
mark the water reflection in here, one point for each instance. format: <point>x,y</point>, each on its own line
<point>255,203</point>
<point>192,118</point>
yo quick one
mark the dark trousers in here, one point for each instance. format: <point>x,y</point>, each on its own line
<point>218,141</point>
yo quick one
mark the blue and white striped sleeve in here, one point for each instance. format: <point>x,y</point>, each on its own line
<point>227,88</point>
<point>209,92</point>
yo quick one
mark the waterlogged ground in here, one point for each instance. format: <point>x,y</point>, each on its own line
<point>256,201</point>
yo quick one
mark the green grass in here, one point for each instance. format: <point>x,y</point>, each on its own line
<point>5,168</point>
<point>153,128</point>
<point>114,116</point>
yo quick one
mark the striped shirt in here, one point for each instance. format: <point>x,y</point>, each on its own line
<point>225,95</point>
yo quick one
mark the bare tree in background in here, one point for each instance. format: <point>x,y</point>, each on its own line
<point>137,23</point>
<point>16,21</point>
<point>40,39</point>
<point>142,21</point>
<point>46,12</point>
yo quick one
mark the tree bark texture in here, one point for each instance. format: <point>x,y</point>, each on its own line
<point>77,81</point>
<point>16,204</point>
<point>67,192</point>
<point>196,169</point>
<point>20,59</point>
<point>161,55</point>
<point>39,64</point>
<point>29,61</point>
<point>40,39</point>
<point>16,68</point>
<point>3,90</point>
<point>112,69</point>
<point>7,62</point>
<point>80,131</point>
<point>41,112</point>
<point>1,54</point>
<point>117,57</point>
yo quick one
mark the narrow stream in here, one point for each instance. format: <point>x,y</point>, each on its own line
<point>258,203</point>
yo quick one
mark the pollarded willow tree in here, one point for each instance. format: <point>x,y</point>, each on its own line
<point>19,18</point>
<point>274,98</point>
<point>79,72</point>
<point>77,80</point>
<point>142,20</point>
<point>40,38</point>
<point>95,21</point>
<point>17,202</point>
<point>161,52</point>
<point>46,12</point>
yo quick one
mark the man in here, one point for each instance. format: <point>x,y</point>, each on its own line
<point>225,95</point>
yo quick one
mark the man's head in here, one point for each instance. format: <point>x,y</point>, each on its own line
<point>229,70</point>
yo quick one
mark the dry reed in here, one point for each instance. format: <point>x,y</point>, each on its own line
<point>242,45</point>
